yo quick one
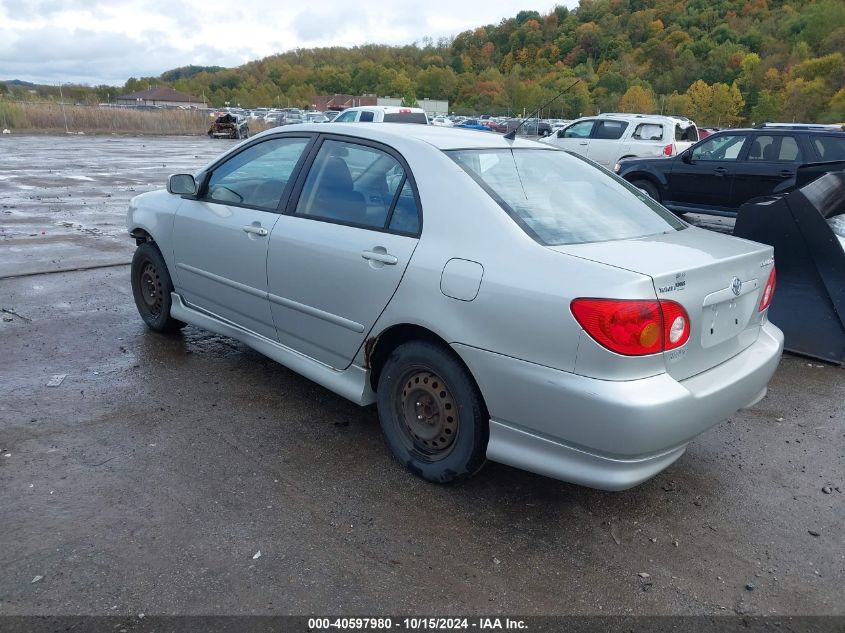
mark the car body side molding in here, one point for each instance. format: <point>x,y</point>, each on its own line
<point>316,312</point>
<point>223,280</point>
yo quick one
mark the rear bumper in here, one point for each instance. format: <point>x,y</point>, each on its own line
<point>610,434</point>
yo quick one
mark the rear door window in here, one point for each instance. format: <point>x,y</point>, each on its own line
<point>358,185</point>
<point>774,149</point>
<point>789,151</point>
<point>609,130</point>
<point>366,117</point>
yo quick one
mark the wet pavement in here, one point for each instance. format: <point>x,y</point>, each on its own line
<point>63,199</point>
<point>148,480</point>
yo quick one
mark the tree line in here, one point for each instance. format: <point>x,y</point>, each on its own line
<point>719,62</point>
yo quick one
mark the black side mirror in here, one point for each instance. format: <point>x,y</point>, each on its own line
<point>686,156</point>
<point>182,185</point>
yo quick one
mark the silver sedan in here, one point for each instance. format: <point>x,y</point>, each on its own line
<point>497,299</point>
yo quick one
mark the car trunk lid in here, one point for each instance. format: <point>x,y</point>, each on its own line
<point>718,280</point>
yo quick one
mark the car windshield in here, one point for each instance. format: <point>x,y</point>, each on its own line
<point>559,198</point>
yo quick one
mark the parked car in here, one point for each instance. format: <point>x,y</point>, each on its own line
<point>274,118</point>
<point>473,124</point>
<point>315,117</point>
<point>229,125</point>
<point>442,121</point>
<point>382,114</point>
<point>496,299</point>
<point>728,168</point>
<point>608,138</point>
<point>530,127</point>
<point>496,125</point>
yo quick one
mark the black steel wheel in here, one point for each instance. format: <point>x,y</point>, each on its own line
<point>432,413</point>
<point>428,412</point>
<point>151,288</point>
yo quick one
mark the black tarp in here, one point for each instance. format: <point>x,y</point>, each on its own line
<point>809,301</point>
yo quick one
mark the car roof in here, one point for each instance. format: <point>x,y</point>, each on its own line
<point>386,108</point>
<point>443,138</point>
<point>765,131</point>
<point>643,118</point>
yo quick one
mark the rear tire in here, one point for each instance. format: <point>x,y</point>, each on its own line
<point>151,287</point>
<point>432,414</point>
<point>648,187</point>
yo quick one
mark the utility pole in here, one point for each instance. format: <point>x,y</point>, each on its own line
<point>62,100</point>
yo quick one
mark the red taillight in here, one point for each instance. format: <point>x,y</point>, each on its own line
<point>768,291</point>
<point>631,327</point>
<point>668,150</point>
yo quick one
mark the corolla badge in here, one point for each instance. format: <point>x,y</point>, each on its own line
<point>736,285</point>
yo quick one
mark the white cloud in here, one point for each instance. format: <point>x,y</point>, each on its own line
<point>97,41</point>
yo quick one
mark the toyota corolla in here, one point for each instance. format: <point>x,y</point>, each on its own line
<point>496,299</point>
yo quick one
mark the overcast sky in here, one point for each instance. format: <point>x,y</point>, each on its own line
<point>106,42</point>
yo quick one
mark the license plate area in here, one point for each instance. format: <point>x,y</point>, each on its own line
<point>726,319</point>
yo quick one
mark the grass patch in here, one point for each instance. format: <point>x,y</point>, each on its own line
<point>53,118</point>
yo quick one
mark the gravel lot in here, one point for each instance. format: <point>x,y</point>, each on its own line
<point>151,477</point>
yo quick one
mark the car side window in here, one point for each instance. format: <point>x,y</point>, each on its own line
<point>830,147</point>
<point>722,147</point>
<point>689,133</point>
<point>578,130</point>
<point>366,117</point>
<point>257,176</point>
<point>352,184</point>
<point>609,130</point>
<point>406,215</point>
<point>789,150</point>
<point>649,132</point>
<point>769,148</point>
<point>345,117</point>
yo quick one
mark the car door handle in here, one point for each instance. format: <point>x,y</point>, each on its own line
<point>384,258</point>
<point>720,171</point>
<point>786,174</point>
<point>255,230</point>
<point>584,143</point>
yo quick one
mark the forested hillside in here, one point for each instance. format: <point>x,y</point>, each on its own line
<point>721,62</point>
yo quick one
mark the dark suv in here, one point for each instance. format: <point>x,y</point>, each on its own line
<point>720,173</point>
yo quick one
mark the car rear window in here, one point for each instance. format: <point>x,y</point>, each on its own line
<point>689,133</point>
<point>560,198</point>
<point>405,117</point>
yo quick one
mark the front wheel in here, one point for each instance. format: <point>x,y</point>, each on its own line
<point>151,287</point>
<point>431,413</point>
<point>648,187</point>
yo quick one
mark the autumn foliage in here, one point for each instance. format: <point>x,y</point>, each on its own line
<point>720,62</point>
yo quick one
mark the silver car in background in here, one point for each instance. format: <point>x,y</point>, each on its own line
<point>496,299</point>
